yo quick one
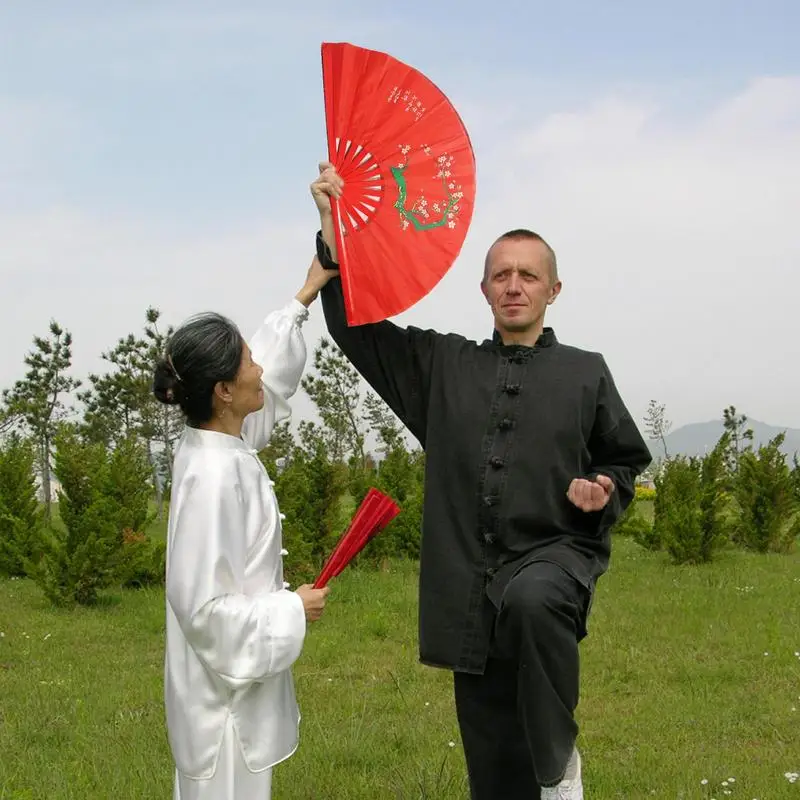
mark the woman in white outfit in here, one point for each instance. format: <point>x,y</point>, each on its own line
<point>233,628</point>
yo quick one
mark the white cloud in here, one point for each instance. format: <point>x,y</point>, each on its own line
<point>676,240</point>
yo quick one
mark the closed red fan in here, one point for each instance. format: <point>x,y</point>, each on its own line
<point>409,180</point>
<point>376,511</point>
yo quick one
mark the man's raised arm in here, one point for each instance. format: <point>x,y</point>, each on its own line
<point>396,362</point>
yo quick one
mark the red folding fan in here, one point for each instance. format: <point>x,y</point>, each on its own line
<point>409,180</point>
<point>376,511</point>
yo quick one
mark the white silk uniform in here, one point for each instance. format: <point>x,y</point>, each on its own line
<point>233,629</point>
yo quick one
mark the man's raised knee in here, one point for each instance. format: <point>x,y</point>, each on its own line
<point>538,592</point>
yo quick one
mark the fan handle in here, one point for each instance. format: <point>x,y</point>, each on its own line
<point>339,232</point>
<point>338,229</point>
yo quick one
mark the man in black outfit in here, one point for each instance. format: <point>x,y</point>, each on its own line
<point>531,456</point>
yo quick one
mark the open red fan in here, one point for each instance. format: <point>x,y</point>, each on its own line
<point>409,180</point>
<point>376,511</point>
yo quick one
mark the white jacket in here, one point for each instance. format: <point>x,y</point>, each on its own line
<point>233,630</point>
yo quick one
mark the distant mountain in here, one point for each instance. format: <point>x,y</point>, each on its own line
<point>700,437</point>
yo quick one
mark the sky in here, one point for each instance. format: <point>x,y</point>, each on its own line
<point>161,154</point>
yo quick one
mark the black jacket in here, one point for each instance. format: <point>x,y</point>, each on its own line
<point>505,430</point>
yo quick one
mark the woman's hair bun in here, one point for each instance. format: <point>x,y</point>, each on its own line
<point>166,386</point>
<point>203,351</point>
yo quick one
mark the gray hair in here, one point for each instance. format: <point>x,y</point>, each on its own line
<point>206,349</point>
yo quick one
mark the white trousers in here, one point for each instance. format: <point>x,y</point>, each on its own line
<point>232,779</point>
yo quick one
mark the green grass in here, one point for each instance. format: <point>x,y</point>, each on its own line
<point>676,688</point>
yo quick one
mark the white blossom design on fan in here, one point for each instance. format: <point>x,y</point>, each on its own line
<point>426,213</point>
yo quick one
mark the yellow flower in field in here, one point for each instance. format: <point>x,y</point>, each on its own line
<point>645,493</point>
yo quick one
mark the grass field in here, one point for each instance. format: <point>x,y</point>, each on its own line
<point>688,674</point>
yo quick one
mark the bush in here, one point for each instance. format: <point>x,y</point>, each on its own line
<point>655,539</point>
<point>128,484</point>
<point>764,489</point>
<point>634,524</point>
<point>646,535</point>
<point>101,493</point>
<point>401,477</point>
<point>406,529</point>
<point>689,520</point>
<point>20,512</point>
<point>14,540</point>
<point>310,492</point>
<point>142,561</point>
<point>78,560</point>
<point>319,499</point>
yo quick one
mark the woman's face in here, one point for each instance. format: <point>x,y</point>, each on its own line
<point>247,392</point>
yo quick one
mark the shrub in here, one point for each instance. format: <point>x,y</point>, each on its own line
<point>765,492</point>
<point>310,491</point>
<point>142,561</point>
<point>406,529</point>
<point>401,477</point>
<point>689,521</point>
<point>128,484</point>
<point>20,512</point>
<point>101,493</point>
<point>634,524</point>
<point>78,562</point>
<point>646,535</point>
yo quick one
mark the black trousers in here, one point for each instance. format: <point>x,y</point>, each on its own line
<point>517,719</point>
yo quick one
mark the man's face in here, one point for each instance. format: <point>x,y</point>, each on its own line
<point>519,284</point>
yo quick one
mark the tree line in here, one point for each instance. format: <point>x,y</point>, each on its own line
<point>735,495</point>
<point>111,456</point>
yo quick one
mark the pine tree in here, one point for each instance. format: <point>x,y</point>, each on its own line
<point>275,456</point>
<point>739,440</point>
<point>120,403</point>
<point>37,399</point>
<point>335,390</point>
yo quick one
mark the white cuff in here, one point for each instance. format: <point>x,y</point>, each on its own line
<point>297,311</point>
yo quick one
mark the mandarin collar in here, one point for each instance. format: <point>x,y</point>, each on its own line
<point>200,437</point>
<point>547,338</point>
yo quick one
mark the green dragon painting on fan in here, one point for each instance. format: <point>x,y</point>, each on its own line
<point>447,211</point>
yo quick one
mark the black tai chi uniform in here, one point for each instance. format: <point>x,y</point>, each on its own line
<point>508,565</point>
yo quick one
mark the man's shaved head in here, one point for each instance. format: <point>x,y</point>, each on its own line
<point>519,234</point>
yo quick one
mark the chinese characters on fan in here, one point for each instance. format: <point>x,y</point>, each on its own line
<point>412,103</point>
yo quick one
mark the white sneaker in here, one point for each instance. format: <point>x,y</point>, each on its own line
<point>571,786</point>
